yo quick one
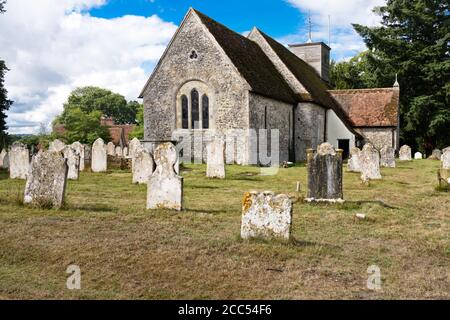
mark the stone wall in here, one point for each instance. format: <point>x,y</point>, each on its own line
<point>309,128</point>
<point>228,91</point>
<point>380,137</point>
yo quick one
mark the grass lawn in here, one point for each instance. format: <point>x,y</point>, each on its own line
<point>126,252</point>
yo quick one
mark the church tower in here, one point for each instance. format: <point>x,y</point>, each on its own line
<point>317,55</point>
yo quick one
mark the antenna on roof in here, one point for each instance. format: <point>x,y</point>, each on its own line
<point>309,27</point>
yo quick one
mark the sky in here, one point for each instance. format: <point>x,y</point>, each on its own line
<point>54,46</point>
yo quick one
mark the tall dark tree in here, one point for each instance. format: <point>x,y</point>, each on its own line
<point>413,41</point>
<point>4,102</point>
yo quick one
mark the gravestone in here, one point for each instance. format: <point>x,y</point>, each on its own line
<point>446,158</point>
<point>418,156</point>
<point>46,183</point>
<point>215,150</point>
<point>265,215</point>
<point>405,153</point>
<point>4,159</point>
<point>99,161</point>
<point>165,187</point>
<point>73,162</point>
<point>325,174</point>
<point>119,151</point>
<point>436,155</point>
<point>370,163</point>
<point>111,149</point>
<point>354,163</point>
<point>79,149</point>
<point>142,166</point>
<point>125,152</point>
<point>19,161</point>
<point>56,146</point>
<point>387,157</point>
<point>134,145</point>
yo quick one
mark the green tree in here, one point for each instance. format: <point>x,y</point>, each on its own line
<point>138,131</point>
<point>4,102</point>
<point>89,99</point>
<point>413,42</point>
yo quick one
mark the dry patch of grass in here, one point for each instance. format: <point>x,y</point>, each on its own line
<point>126,252</point>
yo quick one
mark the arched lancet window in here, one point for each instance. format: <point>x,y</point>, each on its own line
<point>205,111</point>
<point>184,112</point>
<point>195,105</point>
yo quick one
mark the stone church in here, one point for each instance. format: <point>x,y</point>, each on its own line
<point>212,79</point>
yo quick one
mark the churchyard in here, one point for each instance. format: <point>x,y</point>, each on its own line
<point>125,251</point>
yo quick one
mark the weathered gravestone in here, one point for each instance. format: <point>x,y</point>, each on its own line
<point>56,146</point>
<point>142,166</point>
<point>19,161</point>
<point>73,163</point>
<point>370,163</point>
<point>46,183</point>
<point>79,149</point>
<point>387,157</point>
<point>119,151</point>
<point>99,161</point>
<point>265,215</point>
<point>436,155</point>
<point>134,146</point>
<point>446,158</point>
<point>125,152</point>
<point>354,163</point>
<point>325,174</point>
<point>215,150</point>
<point>405,153</point>
<point>4,159</point>
<point>418,156</point>
<point>111,149</point>
<point>165,187</point>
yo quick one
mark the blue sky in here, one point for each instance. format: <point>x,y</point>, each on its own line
<point>115,44</point>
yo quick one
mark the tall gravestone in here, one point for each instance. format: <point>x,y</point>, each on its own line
<point>73,162</point>
<point>418,156</point>
<point>387,157</point>
<point>445,159</point>
<point>111,149</point>
<point>142,166</point>
<point>215,150</point>
<point>165,187</point>
<point>325,174</point>
<point>79,149</point>
<point>19,161</point>
<point>405,153</point>
<point>354,163</point>
<point>266,215</point>
<point>134,146</point>
<point>4,159</point>
<point>370,163</point>
<point>56,146</point>
<point>99,161</point>
<point>46,183</point>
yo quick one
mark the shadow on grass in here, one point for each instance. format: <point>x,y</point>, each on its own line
<point>89,207</point>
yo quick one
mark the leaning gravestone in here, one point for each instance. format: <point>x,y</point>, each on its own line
<point>19,161</point>
<point>370,163</point>
<point>119,151</point>
<point>354,163</point>
<point>134,145</point>
<point>111,149</point>
<point>4,159</point>
<point>73,163</point>
<point>387,157</point>
<point>436,155</point>
<point>325,174</point>
<point>99,161</point>
<point>165,187</point>
<point>79,149</point>
<point>446,158</point>
<point>215,150</point>
<point>46,183</point>
<point>56,146</point>
<point>405,153</point>
<point>142,166</point>
<point>418,156</point>
<point>265,215</point>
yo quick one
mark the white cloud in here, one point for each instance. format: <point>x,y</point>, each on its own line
<point>344,40</point>
<point>53,46</point>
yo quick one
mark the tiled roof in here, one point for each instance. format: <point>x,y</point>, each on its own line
<point>251,62</point>
<point>370,107</point>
